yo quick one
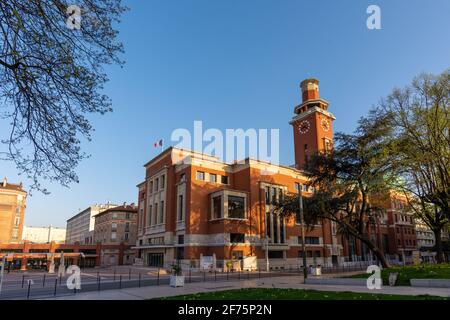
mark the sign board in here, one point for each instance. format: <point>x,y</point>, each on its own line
<point>207,262</point>
<point>250,263</point>
<point>416,257</point>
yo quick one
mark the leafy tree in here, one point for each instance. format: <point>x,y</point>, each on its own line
<point>345,180</point>
<point>419,119</point>
<point>51,77</point>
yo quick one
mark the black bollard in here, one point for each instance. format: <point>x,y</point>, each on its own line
<point>56,285</point>
<point>28,291</point>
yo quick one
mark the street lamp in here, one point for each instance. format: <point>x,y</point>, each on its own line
<point>267,239</point>
<point>300,205</point>
<point>1,272</point>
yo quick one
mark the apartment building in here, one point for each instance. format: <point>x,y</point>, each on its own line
<point>425,242</point>
<point>12,211</point>
<point>113,226</point>
<point>193,204</point>
<point>80,227</point>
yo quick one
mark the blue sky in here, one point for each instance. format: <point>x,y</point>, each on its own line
<point>238,64</point>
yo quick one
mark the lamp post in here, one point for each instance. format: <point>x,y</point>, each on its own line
<point>267,253</point>
<point>302,225</point>
<point>1,272</point>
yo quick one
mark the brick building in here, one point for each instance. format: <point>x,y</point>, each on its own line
<point>193,204</point>
<point>116,225</point>
<point>12,211</point>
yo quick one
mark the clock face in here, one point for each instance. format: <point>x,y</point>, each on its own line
<point>325,125</point>
<point>304,126</point>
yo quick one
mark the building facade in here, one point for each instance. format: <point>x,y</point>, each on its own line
<point>27,256</point>
<point>117,225</point>
<point>80,227</point>
<point>12,211</point>
<point>425,242</point>
<point>44,234</point>
<point>193,205</point>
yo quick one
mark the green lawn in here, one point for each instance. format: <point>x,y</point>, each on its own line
<point>294,294</point>
<point>406,273</point>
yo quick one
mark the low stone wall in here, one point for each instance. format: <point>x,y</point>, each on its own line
<point>432,283</point>
<point>338,281</point>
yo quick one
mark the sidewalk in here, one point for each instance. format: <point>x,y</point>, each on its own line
<point>276,282</point>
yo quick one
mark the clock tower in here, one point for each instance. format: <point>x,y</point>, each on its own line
<point>312,123</point>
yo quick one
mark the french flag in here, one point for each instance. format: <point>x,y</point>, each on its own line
<point>158,143</point>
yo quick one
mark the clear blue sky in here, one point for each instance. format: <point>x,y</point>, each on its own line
<point>238,64</point>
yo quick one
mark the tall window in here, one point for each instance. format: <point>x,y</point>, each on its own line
<point>274,195</point>
<point>151,186</point>
<point>280,194</point>
<point>127,227</point>
<point>141,216</point>
<point>156,184</point>
<point>149,215</point>
<point>275,229</point>
<point>267,195</point>
<point>236,207</point>
<point>155,214</point>
<point>180,207</point>
<point>217,207</point>
<point>161,212</point>
<point>163,181</point>
<point>212,177</point>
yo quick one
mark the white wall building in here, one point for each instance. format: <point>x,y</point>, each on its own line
<point>44,234</point>
<point>81,226</point>
<point>425,241</point>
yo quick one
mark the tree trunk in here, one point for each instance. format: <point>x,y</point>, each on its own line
<point>375,250</point>
<point>438,244</point>
<point>378,253</point>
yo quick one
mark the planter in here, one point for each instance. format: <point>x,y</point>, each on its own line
<point>316,271</point>
<point>176,281</point>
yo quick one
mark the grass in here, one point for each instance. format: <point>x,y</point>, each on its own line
<point>441,271</point>
<point>294,294</point>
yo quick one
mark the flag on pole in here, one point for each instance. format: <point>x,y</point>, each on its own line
<point>158,143</point>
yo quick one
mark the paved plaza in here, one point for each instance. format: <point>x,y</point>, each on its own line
<point>294,282</point>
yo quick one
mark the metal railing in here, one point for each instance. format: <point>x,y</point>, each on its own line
<point>37,285</point>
